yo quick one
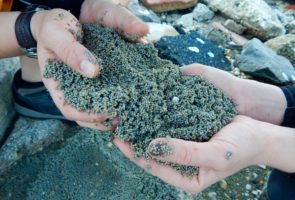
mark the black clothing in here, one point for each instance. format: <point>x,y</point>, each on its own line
<point>289,117</point>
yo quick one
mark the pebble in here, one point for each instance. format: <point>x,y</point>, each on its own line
<point>202,13</point>
<point>234,26</point>
<point>175,100</point>
<point>248,187</point>
<point>256,192</point>
<point>255,175</point>
<point>186,21</point>
<point>236,71</point>
<point>156,31</point>
<point>212,195</point>
<point>223,184</point>
<point>110,145</point>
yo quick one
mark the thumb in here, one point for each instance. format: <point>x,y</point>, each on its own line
<point>78,58</point>
<point>201,154</point>
<point>67,49</point>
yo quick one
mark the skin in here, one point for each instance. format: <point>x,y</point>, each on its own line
<point>251,138</point>
<point>57,33</point>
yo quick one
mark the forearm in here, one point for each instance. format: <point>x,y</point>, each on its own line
<point>8,43</point>
<point>279,149</point>
<point>263,102</point>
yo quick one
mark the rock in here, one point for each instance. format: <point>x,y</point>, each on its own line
<point>236,72</point>
<point>212,195</point>
<point>82,167</point>
<point>8,68</point>
<point>142,12</point>
<point>223,184</point>
<point>213,34</point>
<point>256,192</point>
<point>237,40</point>
<point>168,5</point>
<point>156,31</point>
<point>192,48</point>
<point>234,26</point>
<point>257,16</point>
<point>186,21</point>
<point>202,13</point>
<point>28,137</point>
<point>287,20</point>
<point>263,63</point>
<point>284,45</point>
<point>248,187</point>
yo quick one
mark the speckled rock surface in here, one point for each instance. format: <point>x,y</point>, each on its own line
<point>28,137</point>
<point>192,48</point>
<point>7,69</point>
<point>257,16</point>
<point>149,95</point>
<point>85,166</point>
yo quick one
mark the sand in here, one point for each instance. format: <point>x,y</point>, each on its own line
<point>148,94</point>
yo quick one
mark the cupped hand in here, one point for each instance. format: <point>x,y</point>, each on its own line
<point>114,15</point>
<point>236,146</point>
<point>260,101</point>
<point>58,34</point>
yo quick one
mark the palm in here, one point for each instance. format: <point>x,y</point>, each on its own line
<point>230,150</point>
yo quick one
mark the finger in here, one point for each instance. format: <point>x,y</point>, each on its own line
<point>67,110</point>
<point>75,55</point>
<point>164,172</point>
<point>65,47</point>
<point>195,184</point>
<point>201,154</point>
<point>98,126</point>
<point>118,17</point>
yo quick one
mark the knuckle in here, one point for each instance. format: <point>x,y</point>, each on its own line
<point>64,52</point>
<point>185,156</point>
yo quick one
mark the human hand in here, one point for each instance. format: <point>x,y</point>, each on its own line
<point>58,34</point>
<point>254,99</point>
<point>242,143</point>
<point>113,15</point>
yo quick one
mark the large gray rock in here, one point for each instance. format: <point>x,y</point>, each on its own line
<point>7,69</point>
<point>263,63</point>
<point>28,137</point>
<point>256,15</point>
<point>284,45</point>
<point>85,166</point>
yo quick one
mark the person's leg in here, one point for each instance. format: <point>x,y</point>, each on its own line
<point>30,69</point>
<point>281,186</point>
<point>31,98</point>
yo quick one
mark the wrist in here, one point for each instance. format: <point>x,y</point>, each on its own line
<point>278,149</point>
<point>36,23</point>
<point>261,101</point>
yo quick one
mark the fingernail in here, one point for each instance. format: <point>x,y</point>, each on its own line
<point>87,68</point>
<point>159,149</point>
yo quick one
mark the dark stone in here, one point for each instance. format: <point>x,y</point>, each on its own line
<point>192,48</point>
<point>8,67</point>
<point>27,138</point>
<point>264,64</point>
<point>85,166</point>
